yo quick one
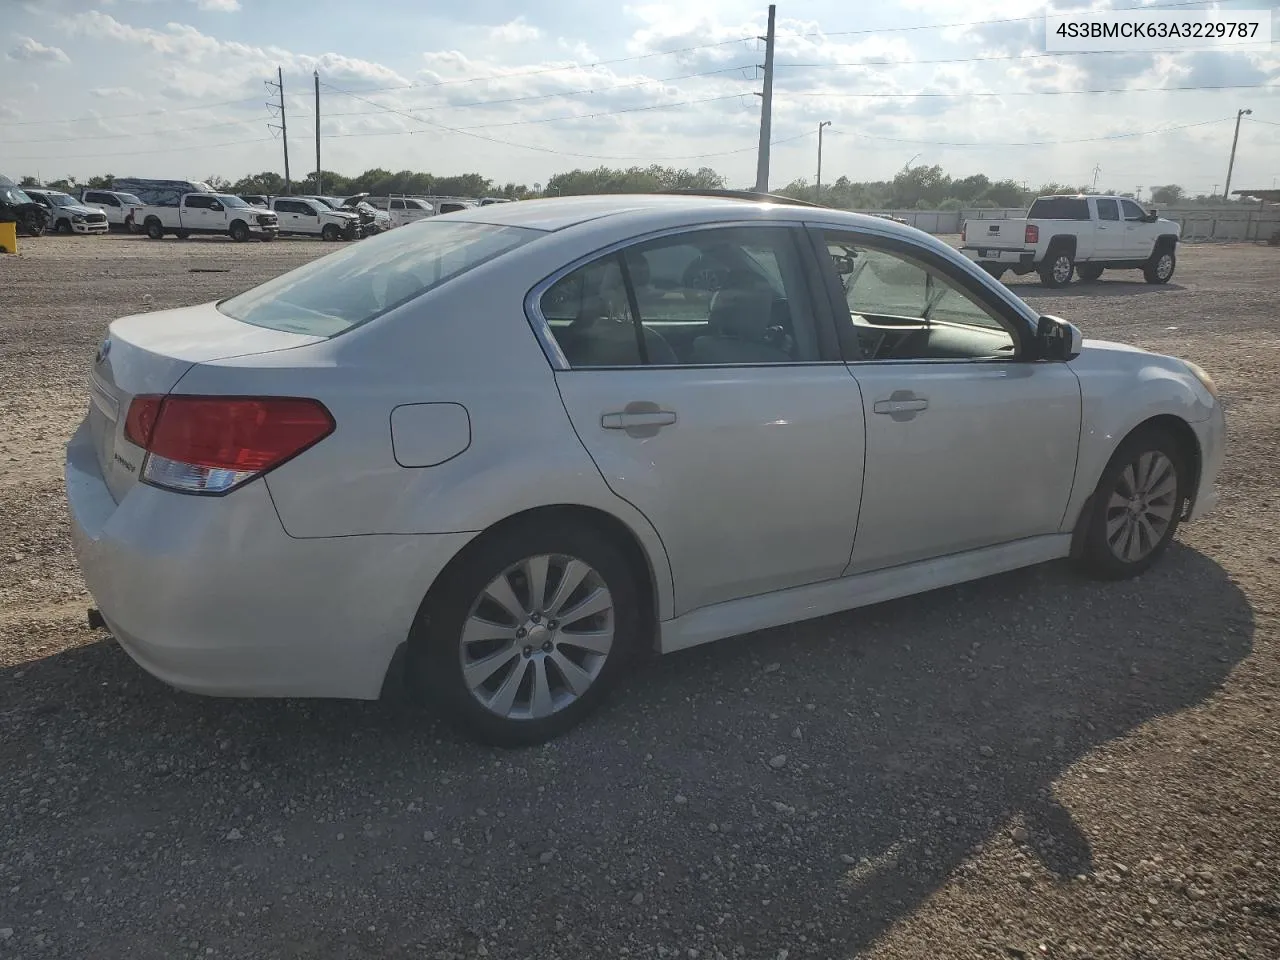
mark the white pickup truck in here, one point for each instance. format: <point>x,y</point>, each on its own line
<point>310,217</point>
<point>1075,234</point>
<point>208,213</point>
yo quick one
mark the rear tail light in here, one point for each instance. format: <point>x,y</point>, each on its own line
<point>212,445</point>
<point>1031,234</point>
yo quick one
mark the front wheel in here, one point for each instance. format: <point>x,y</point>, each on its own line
<point>62,226</point>
<point>1161,266</point>
<point>522,638</point>
<point>1057,268</point>
<point>239,231</point>
<point>331,233</point>
<point>1136,506</point>
<point>1088,272</point>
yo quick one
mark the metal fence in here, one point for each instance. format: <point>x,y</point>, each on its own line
<point>1198,223</point>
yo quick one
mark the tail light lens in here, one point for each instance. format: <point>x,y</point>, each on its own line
<point>1032,234</point>
<point>212,445</point>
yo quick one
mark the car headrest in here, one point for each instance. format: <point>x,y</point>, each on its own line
<point>744,315</point>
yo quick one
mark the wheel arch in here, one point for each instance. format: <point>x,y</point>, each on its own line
<point>1188,445</point>
<point>1061,241</point>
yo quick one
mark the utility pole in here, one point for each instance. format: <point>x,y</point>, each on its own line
<point>1226,191</point>
<point>817,190</point>
<point>766,109</point>
<point>1097,169</point>
<point>284,126</point>
<point>1138,196</point>
<point>319,184</point>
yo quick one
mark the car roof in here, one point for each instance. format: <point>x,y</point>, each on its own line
<point>657,210</point>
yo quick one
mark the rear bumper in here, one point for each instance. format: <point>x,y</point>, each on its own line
<point>210,595</point>
<point>1212,435</point>
<point>998,255</point>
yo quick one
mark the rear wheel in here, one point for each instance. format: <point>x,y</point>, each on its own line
<point>995,270</point>
<point>1088,272</point>
<point>1161,265</point>
<point>524,635</point>
<point>154,230</point>
<point>182,234</point>
<point>1057,268</point>
<point>1136,506</point>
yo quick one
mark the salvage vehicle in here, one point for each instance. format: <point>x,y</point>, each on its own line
<point>67,214</point>
<point>308,217</point>
<point>1081,234</point>
<point>17,208</point>
<point>372,220</point>
<point>209,213</point>
<point>490,458</point>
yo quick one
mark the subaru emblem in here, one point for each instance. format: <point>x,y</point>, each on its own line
<point>103,350</point>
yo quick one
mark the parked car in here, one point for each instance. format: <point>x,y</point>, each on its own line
<point>403,210</point>
<point>67,214</point>
<point>119,207</point>
<point>1081,234</point>
<point>489,457</point>
<point>304,216</point>
<point>16,207</point>
<point>256,200</point>
<point>209,213</point>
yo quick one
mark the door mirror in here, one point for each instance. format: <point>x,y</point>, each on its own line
<point>1151,216</point>
<point>1058,339</point>
<point>215,205</point>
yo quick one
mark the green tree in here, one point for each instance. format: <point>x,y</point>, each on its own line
<point>1169,193</point>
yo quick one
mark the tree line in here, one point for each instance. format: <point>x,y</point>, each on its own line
<point>917,188</point>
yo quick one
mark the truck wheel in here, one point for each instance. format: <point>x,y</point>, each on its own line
<point>1088,272</point>
<point>182,234</point>
<point>62,226</point>
<point>239,231</point>
<point>154,230</point>
<point>1161,265</point>
<point>331,233</point>
<point>1057,268</point>
<point>995,270</point>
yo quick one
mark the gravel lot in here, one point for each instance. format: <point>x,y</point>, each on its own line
<point>1030,766</point>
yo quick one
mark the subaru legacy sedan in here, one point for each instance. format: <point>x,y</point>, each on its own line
<point>490,457</point>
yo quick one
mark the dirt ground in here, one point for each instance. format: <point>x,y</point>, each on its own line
<point>1030,766</point>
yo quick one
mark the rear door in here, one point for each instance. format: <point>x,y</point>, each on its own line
<point>967,444</point>
<point>1109,243</point>
<point>701,373</point>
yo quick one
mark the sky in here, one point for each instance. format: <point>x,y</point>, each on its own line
<point>521,91</point>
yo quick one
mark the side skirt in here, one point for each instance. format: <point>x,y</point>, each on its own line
<point>748,614</point>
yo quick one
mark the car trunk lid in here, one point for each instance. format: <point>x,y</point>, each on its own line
<point>149,354</point>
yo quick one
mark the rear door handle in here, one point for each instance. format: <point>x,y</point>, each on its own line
<point>627,421</point>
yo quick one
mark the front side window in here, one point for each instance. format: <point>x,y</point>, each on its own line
<point>704,298</point>
<point>287,206</point>
<point>904,308</point>
<point>359,283</point>
<point>1132,211</point>
<point>199,203</point>
<point>1108,210</point>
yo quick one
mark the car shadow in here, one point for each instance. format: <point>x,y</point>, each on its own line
<point>1106,287</point>
<point>819,781</point>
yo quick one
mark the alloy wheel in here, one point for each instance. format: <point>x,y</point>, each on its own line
<point>537,637</point>
<point>1062,269</point>
<point>1141,506</point>
<point>1164,267</point>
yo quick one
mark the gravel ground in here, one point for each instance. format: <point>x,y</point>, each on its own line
<point>1030,766</point>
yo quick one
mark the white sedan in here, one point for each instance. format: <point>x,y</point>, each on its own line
<point>489,457</point>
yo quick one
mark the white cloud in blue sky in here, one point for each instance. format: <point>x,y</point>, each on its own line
<point>175,88</point>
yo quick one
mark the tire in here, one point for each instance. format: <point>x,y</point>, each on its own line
<point>239,231</point>
<point>155,230</point>
<point>518,659</point>
<point>33,227</point>
<point>1088,272</point>
<point>1118,544</point>
<point>1057,267</point>
<point>331,233</point>
<point>1159,269</point>
<point>62,226</point>
<point>182,234</point>
<point>995,271</point>
<point>268,237</point>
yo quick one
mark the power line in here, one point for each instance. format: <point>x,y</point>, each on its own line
<point>1044,93</point>
<point>126,116</point>
<point>1034,143</point>
<point>1270,123</point>
<point>134,153</point>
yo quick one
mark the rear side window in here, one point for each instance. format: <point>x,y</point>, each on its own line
<point>1059,208</point>
<point>331,295</point>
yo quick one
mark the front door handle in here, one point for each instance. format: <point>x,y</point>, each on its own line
<point>640,418</point>
<point>901,405</point>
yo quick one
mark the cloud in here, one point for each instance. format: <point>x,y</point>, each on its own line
<point>518,30</point>
<point>218,6</point>
<point>116,93</point>
<point>35,51</point>
<point>9,113</point>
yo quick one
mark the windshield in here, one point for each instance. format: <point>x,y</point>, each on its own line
<point>128,199</point>
<point>229,201</point>
<point>62,199</point>
<point>331,295</point>
<point>14,195</point>
<point>329,202</point>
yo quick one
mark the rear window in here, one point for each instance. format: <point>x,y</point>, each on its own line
<point>359,283</point>
<point>1059,208</point>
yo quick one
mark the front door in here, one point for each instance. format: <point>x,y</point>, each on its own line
<point>694,374</point>
<point>1139,237</point>
<point>967,445</point>
<point>1109,231</point>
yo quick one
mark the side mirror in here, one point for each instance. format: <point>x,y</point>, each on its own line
<point>215,205</point>
<point>1057,339</point>
<point>1152,216</point>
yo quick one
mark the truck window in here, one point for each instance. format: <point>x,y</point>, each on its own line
<point>1132,212</point>
<point>1059,208</point>
<point>1108,210</point>
<point>199,203</point>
